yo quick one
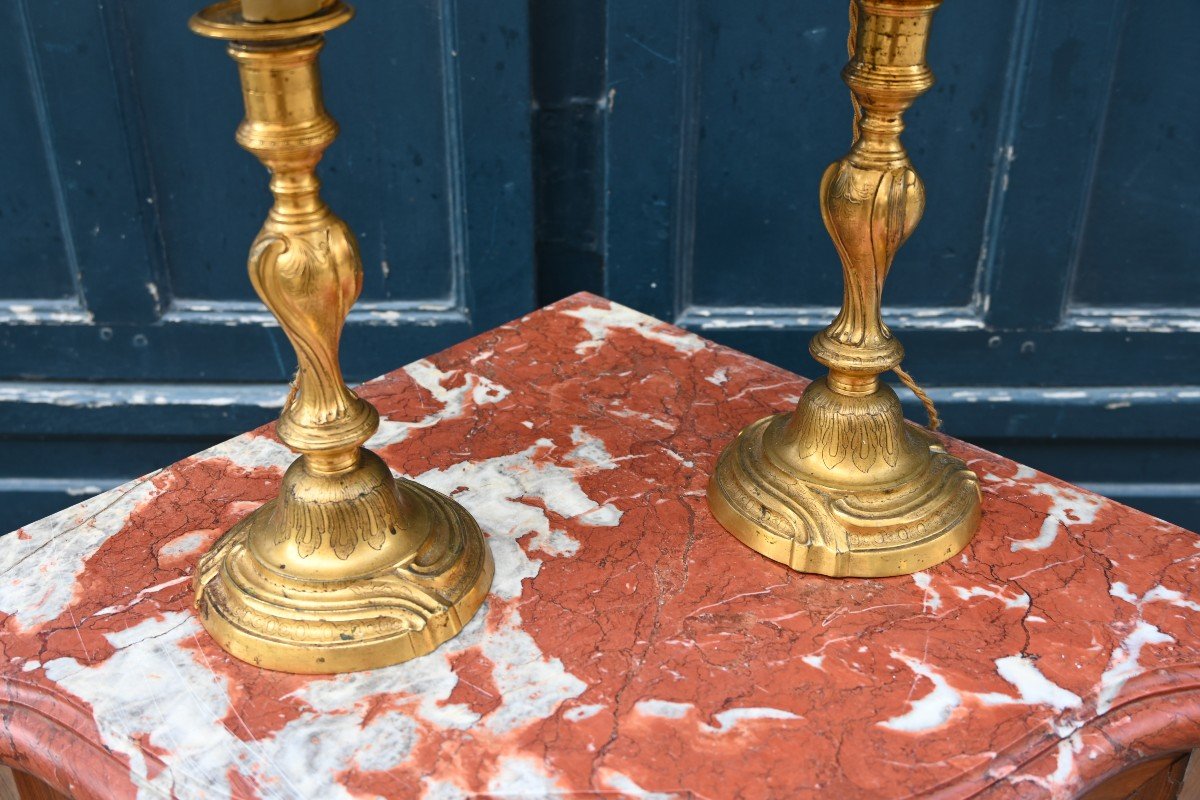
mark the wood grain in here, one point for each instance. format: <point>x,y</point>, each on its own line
<point>17,785</point>
<point>1157,779</point>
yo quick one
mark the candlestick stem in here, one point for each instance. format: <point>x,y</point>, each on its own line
<point>843,485</point>
<point>348,568</point>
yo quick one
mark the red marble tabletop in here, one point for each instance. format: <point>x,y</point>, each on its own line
<point>629,646</point>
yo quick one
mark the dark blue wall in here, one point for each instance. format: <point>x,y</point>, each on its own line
<point>496,156</point>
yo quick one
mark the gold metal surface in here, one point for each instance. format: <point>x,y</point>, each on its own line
<point>281,10</point>
<point>843,485</point>
<point>348,568</point>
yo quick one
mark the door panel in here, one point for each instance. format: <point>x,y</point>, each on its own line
<point>29,222</point>
<point>132,211</point>
<point>772,113</point>
<point>1140,247</point>
<point>1051,288</point>
<point>393,153</point>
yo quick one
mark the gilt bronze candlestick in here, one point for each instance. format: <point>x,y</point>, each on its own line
<point>348,568</point>
<point>843,485</point>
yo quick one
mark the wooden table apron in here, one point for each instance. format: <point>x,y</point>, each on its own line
<point>630,645</point>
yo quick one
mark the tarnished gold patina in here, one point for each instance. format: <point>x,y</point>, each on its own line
<point>348,568</point>
<point>843,485</point>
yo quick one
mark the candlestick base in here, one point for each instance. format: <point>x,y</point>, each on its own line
<point>343,573</point>
<point>348,568</point>
<point>843,486</point>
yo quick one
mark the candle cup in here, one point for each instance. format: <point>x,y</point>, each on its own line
<point>348,568</point>
<point>843,486</point>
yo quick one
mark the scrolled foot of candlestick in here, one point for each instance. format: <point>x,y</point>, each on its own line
<point>845,487</point>
<point>403,570</point>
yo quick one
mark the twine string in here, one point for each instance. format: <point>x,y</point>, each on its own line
<point>935,421</point>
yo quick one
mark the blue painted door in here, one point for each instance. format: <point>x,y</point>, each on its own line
<point>1049,298</point>
<point>126,211</point>
<point>1051,295</point>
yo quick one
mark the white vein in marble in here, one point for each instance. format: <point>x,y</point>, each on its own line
<point>39,564</point>
<point>178,702</point>
<point>1068,507</point>
<point>598,322</point>
<point>474,391</point>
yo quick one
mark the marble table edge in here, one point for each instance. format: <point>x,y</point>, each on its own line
<point>1184,693</point>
